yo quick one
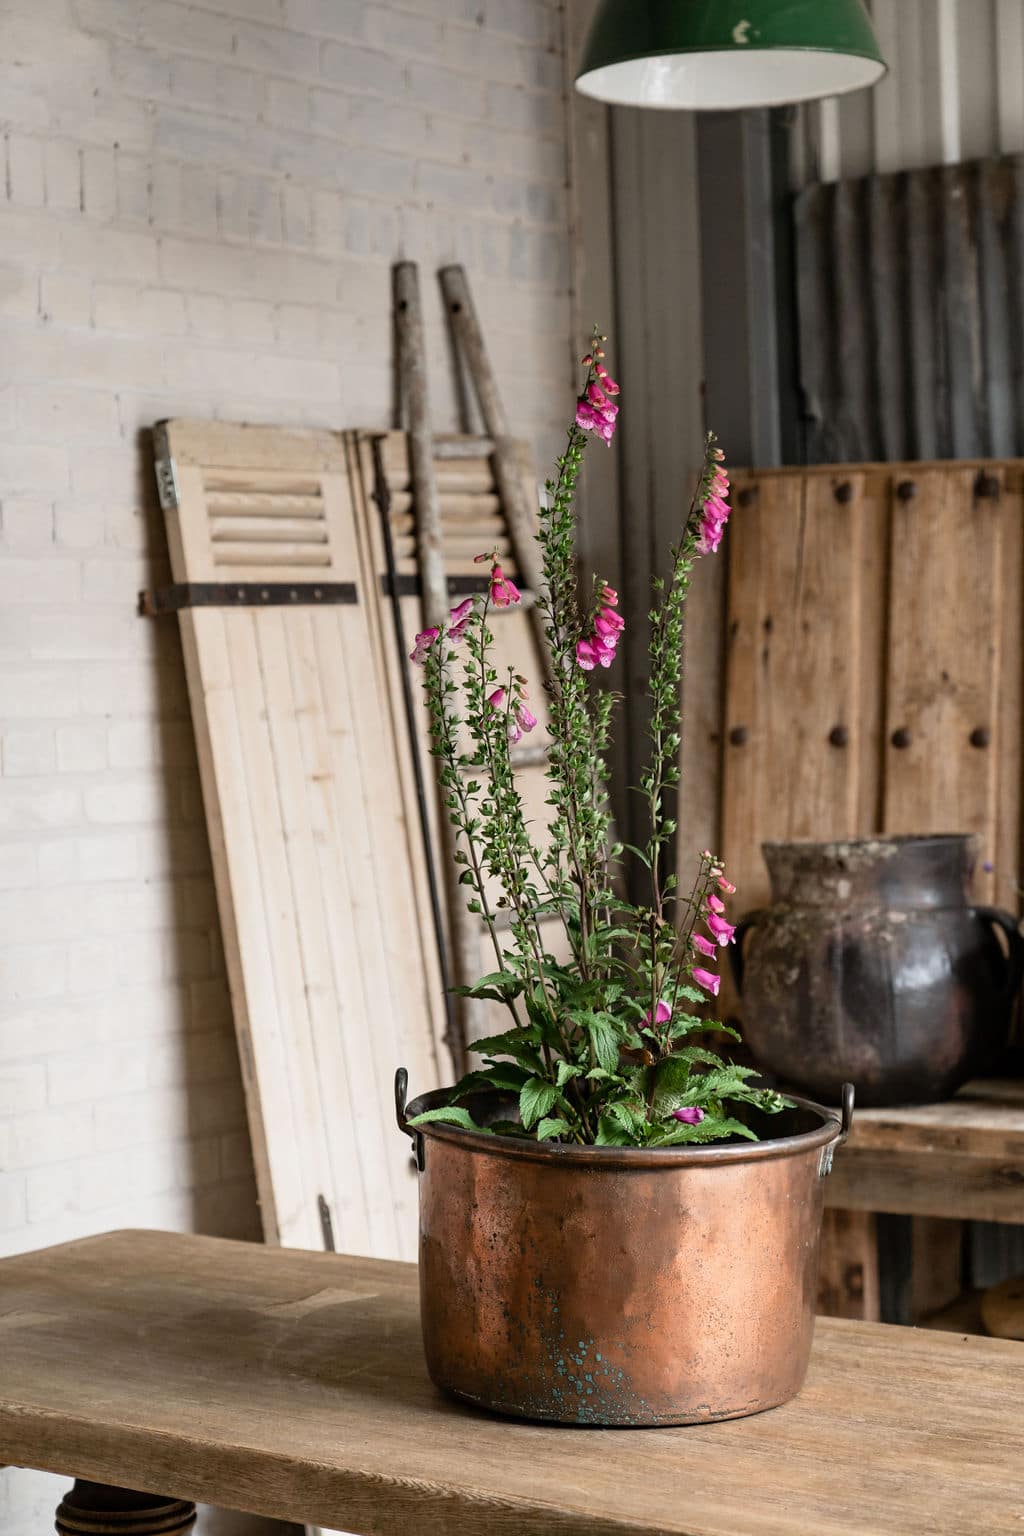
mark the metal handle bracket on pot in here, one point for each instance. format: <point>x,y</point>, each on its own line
<point>401,1094</point>
<point>847,1111</point>
<point>844,1120</point>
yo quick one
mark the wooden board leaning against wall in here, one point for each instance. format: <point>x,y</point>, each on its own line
<point>871,679</point>
<point>319,876</point>
<point>474,520</point>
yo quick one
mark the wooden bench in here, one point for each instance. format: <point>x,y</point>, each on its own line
<point>292,1384</point>
<point>945,1163</point>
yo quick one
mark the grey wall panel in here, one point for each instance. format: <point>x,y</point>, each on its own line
<point>911,298</point>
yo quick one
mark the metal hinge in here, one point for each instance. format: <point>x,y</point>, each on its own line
<point>166,485</point>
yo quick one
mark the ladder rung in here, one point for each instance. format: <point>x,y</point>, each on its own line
<point>529,757</point>
<point>463,447</point>
<point>504,919</point>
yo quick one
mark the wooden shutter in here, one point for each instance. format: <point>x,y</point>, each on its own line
<point>333,977</point>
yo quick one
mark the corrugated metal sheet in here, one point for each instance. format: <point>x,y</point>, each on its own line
<point>911,314</point>
<point>954,92</point>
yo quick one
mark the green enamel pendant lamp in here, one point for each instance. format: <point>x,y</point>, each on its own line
<point>717,55</point>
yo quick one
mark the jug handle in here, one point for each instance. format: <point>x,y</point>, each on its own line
<point>1015,942</point>
<point>736,962</point>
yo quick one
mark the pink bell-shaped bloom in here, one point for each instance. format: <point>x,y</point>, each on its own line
<point>606,379</point>
<point>504,591</point>
<point>705,946</point>
<point>721,930</point>
<point>609,595</point>
<point>726,886</point>
<point>662,1013</point>
<point>716,904</point>
<point>706,979</point>
<point>497,699</point>
<point>586,655</point>
<point>608,622</point>
<point>460,616</point>
<point>525,718</point>
<point>691,1115</point>
<point>424,640</point>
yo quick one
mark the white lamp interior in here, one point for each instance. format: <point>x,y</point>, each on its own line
<point>730,78</point>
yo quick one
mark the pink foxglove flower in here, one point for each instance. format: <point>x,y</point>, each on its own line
<point>595,412</point>
<point>609,624</point>
<point>721,930</point>
<point>497,699</point>
<point>586,655</point>
<point>504,591</point>
<point>726,886</point>
<point>715,511</point>
<point>460,616</point>
<point>424,640</point>
<point>706,979</point>
<point>692,1115</point>
<point>662,1014</point>
<point>525,718</point>
<point>606,379</point>
<point>716,904</point>
<point>705,946</point>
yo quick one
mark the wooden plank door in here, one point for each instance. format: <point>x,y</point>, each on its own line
<point>793,762</point>
<point>944,656</point>
<point>333,978</point>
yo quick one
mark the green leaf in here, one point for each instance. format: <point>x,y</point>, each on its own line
<point>605,1036</point>
<point>505,979</point>
<point>450,1114</point>
<point>610,1133</point>
<point>536,1097</point>
<point>629,1120</point>
<point>551,1127</point>
<point>566,1071</point>
<point>520,1043</point>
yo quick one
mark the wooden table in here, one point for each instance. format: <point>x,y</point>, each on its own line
<point>292,1384</point>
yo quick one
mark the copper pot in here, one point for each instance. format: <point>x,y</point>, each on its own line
<point>620,1286</point>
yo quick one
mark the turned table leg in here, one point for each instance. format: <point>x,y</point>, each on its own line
<point>93,1509</point>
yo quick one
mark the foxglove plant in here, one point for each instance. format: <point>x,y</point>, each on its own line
<point>603,1048</point>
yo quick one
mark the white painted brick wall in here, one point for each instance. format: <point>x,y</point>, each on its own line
<point>200,205</point>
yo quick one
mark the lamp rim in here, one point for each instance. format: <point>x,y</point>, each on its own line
<point>869,57</point>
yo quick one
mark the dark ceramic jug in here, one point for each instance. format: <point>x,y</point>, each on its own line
<point>872,967</point>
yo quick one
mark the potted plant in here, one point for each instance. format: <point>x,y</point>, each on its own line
<point>618,1225</point>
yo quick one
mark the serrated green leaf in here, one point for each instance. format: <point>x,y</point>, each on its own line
<point>551,1127</point>
<point>610,1133</point>
<point>450,1114</point>
<point>566,1072</point>
<point>536,1097</point>
<point>604,1034</point>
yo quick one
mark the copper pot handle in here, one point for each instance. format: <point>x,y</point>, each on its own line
<point>736,961</point>
<point>843,1118</point>
<point>1015,945</point>
<point>416,1137</point>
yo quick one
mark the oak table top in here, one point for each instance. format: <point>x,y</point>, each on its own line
<point>292,1384</point>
